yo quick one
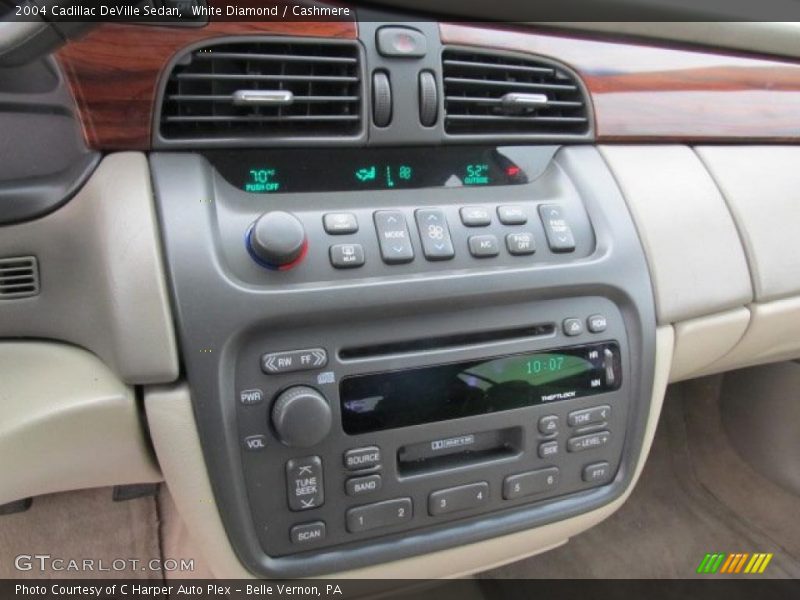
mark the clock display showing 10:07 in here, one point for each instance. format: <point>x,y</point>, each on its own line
<point>551,364</point>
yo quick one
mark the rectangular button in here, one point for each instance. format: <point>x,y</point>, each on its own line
<point>393,237</point>
<point>548,449</point>
<point>589,416</point>
<point>520,244</point>
<point>358,486</point>
<point>340,223</point>
<point>463,497</point>
<point>530,483</point>
<point>475,216</point>
<point>558,232</point>
<point>304,483</point>
<point>596,472</point>
<point>483,246</point>
<point>512,215</point>
<point>588,442</point>
<point>276,363</point>
<point>307,533</point>
<point>347,256</point>
<point>434,234</point>
<point>362,458</point>
<point>380,514</point>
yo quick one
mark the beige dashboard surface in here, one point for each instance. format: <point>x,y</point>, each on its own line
<point>103,285</point>
<point>66,423</point>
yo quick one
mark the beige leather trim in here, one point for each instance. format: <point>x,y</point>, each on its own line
<point>169,413</point>
<point>103,285</point>
<point>701,342</point>
<point>761,185</point>
<point>696,259</point>
<point>772,335</point>
<point>66,423</point>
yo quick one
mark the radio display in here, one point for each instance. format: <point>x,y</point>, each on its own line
<point>353,169</point>
<point>429,394</point>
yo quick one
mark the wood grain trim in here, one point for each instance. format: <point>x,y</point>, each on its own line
<point>114,71</point>
<point>647,93</point>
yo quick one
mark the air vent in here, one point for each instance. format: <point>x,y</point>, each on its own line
<point>265,89</point>
<point>489,93</point>
<point>19,277</point>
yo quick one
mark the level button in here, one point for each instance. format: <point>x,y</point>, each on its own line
<point>588,442</point>
<point>276,363</point>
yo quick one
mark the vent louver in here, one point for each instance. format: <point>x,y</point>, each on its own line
<point>19,277</point>
<point>489,93</point>
<point>264,89</point>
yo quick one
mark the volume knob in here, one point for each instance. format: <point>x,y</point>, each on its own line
<point>277,240</point>
<point>301,417</point>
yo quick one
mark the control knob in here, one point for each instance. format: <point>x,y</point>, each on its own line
<point>301,416</point>
<point>277,240</point>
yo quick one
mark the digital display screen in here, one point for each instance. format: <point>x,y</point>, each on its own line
<point>352,169</point>
<point>426,395</point>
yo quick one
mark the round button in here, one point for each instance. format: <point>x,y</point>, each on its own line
<point>277,240</point>
<point>301,417</point>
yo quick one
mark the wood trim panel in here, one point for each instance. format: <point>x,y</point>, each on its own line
<point>648,93</point>
<point>639,92</point>
<point>114,71</point>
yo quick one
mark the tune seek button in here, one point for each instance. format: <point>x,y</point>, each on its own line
<point>362,458</point>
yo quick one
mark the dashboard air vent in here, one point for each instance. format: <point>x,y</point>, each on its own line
<point>264,89</point>
<point>489,93</point>
<point>19,277</point>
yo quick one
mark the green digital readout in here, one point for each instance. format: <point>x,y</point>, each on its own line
<point>477,174</point>
<point>281,171</point>
<point>388,176</point>
<point>262,181</point>
<point>537,370</point>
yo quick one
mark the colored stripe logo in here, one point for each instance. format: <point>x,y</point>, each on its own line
<point>734,563</point>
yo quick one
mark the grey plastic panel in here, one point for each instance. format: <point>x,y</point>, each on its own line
<point>246,308</point>
<point>102,282</point>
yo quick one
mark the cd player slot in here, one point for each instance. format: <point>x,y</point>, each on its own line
<point>447,341</point>
<point>459,451</point>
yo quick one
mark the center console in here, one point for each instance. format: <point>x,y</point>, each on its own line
<point>393,351</point>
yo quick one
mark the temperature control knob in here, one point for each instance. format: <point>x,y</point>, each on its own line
<point>301,417</point>
<point>277,240</point>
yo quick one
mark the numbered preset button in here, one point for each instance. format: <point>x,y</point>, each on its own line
<point>381,514</point>
<point>463,497</point>
<point>530,483</point>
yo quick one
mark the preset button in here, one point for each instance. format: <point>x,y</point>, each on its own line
<point>530,483</point>
<point>463,497</point>
<point>378,515</point>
